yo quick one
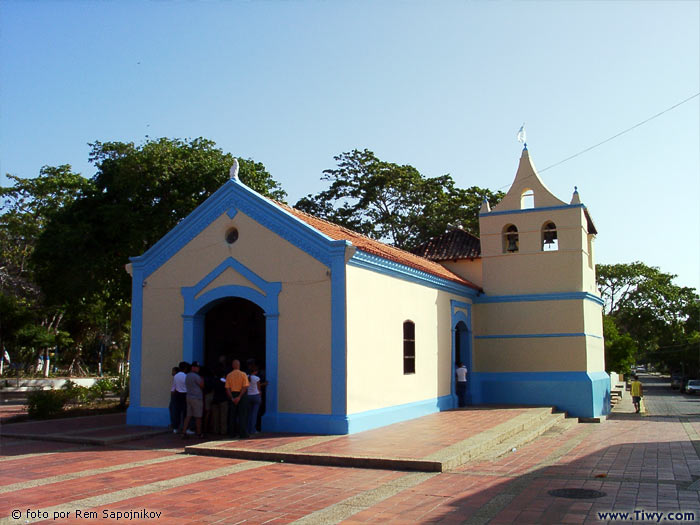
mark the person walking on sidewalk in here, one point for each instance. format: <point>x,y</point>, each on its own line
<point>637,392</point>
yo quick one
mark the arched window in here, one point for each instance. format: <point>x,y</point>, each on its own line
<point>527,199</point>
<point>409,347</point>
<point>550,241</point>
<point>510,239</point>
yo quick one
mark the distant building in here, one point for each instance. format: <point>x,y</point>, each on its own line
<point>355,334</point>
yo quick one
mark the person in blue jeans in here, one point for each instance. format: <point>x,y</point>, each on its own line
<point>461,385</point>
<point>171,407</point>
<point>254,398</point>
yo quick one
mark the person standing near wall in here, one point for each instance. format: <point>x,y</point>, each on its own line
<point>236,389</point>
<point>174,422</point>
<point>461,385</point>
<point>180,395</point>
<point>195,400</point>
<point>637,393</point>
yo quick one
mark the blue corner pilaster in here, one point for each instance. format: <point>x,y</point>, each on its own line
<point>137,284</point>
<point>338,334</point>
<point>271,362</point>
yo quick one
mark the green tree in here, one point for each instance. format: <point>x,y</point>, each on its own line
<point>393,203</point>
<point>620,349</point>
<point>138,194</point>
<point>658,315</point>
<point>27,324</point>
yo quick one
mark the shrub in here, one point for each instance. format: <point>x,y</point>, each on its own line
<point>102,387</point>
<point>78,394</point>
<point>45,403</point>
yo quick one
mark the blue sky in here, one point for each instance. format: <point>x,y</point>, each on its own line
<point>443,86</point>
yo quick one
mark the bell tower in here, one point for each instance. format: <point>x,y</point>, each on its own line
<point>533,242</point>
<point>538,327</point>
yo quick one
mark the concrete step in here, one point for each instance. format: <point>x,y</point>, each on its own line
<point>554,426</point>
<point>503,438</point>
<point>523,427</point>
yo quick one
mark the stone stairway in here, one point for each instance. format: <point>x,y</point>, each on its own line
<point>486,432</point>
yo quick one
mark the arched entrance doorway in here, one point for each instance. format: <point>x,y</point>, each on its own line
<point>463,354</point>
<point>234,328</point>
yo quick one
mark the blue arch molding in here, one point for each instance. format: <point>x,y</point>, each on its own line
<point>458,316</point>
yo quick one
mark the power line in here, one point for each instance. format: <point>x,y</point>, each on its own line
<point>614,136</point>
<point>623,132</point>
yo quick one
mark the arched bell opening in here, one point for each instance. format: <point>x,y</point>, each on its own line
<point>510,239</point>
<point>550,239</point>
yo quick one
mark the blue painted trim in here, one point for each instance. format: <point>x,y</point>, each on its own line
<point>378,264</point>
<point>457,316</point>
<point>231,212</point>
<point>338,332</point>
<point>326,424</point>
<point>389,415</point>
<point>529,336</point>
<point>234,195</point>
<point>148,416</point>
<point>530,210</point>
<point>581,394</point>
<point>196,306</point>
<point>564,296</point>
<point>350,424</point>
<point>137,284</point>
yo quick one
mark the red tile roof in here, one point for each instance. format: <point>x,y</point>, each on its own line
<point>377,248</point>
<point>451,246</point>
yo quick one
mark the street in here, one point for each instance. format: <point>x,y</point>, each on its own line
<point>661,400</point>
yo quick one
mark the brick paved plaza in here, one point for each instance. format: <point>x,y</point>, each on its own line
<point>641,463</point>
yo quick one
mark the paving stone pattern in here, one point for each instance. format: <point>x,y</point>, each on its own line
<point>641,462</point>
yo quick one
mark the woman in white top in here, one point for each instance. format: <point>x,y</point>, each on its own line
<point>254,399</point>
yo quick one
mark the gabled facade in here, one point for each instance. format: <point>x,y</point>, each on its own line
<point>354,334</point>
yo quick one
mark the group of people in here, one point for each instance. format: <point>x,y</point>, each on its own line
<point>217,401</point>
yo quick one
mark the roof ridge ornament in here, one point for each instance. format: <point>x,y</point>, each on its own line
<point>233,172</point>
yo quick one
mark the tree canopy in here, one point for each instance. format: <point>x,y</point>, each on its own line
<point>66,239</point>
<point>660,318</point>
<point>27,322</point>
<point>394,203</point>
<point>138,194</point>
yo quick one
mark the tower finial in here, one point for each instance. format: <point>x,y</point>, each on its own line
<point>575,198</point>
<point>233,172</point>
<point>485,206</point>
<point>522,136</point>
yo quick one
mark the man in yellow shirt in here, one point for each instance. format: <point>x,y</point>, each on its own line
<point>237,393</point>
<point>636,391</point>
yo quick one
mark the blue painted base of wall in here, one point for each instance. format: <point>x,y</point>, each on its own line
<point>581,394</point>
<point>350,424</point>
<point>148,416</point>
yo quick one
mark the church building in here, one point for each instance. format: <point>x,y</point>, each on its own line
<point>354,334</point>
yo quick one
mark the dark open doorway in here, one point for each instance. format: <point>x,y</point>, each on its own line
<point>463,354</point>
<point>235,329</point>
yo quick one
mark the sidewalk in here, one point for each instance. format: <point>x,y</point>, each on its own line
<point>636,462</point>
